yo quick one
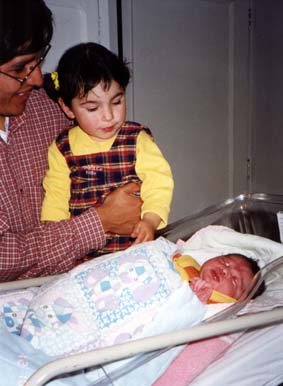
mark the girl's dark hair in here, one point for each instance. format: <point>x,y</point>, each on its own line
<point>255,268</point>
<point>25,27</point>
<point>84,66</point>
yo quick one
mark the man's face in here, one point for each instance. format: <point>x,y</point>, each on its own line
<point>13,94</point>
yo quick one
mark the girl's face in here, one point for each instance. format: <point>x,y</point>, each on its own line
<point>230,275</point>
<point>101,112</point>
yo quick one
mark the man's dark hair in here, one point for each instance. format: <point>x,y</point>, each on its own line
<point>25,27</point>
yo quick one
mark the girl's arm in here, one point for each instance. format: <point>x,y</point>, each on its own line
<point>56,185</point>
<point>157,180</point>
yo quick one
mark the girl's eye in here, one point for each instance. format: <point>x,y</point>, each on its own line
<point>118,102</point>
<point>90,109</point>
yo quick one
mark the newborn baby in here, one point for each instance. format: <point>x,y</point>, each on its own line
<point>222,279</point>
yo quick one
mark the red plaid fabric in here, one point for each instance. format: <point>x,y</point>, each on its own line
<point>94,176</point>
<point>27,247</point>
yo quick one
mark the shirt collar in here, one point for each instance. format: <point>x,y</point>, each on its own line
<point>4,134</point>
<point>16,122</point>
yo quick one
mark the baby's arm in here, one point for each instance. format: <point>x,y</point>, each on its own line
<point>145,228</point>
<point>201,288</point>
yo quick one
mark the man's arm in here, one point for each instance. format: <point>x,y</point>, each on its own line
<point>53,248</point>
<point>47,249</point>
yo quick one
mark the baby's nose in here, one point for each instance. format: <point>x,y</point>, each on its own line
<point>226,272</point>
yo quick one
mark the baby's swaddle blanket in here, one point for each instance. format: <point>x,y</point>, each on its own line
<point>110,300</point>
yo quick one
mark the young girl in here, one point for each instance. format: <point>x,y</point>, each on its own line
<point>103,151</point>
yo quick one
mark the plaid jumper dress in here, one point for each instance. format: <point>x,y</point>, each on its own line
<point>94,176</point>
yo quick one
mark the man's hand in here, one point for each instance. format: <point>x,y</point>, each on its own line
<point>121,210</point>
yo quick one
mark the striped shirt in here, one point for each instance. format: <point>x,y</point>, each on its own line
<point>27,247</point>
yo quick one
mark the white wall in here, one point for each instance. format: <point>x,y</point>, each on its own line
<point>190,86</point>
<point>76,21</point>
<point>267,97</point>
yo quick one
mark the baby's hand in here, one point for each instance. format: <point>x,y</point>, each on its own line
<point>143,231</point>
<point>201,288</point>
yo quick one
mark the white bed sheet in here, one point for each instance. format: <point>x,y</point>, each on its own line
<point>255,359</point>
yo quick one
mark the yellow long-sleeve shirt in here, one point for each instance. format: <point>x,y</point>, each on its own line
<point>151,167</point>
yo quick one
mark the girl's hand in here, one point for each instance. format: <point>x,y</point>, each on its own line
<point>143,231</point>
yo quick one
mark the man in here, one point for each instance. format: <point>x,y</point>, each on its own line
<point>29,121</point>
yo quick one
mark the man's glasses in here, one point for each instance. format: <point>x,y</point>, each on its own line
<point>41,58</point>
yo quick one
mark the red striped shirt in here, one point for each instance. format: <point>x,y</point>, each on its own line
<point>27,247</point>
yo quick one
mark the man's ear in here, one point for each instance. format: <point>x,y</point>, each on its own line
<point>66,109</point>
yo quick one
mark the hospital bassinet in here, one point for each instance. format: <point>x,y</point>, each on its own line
<point>253,214</point>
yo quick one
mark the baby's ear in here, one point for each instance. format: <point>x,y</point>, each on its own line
<point>66,109</point>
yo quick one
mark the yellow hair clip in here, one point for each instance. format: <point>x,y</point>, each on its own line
<point>54,77</point>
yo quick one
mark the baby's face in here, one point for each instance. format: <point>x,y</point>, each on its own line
<point>230,275</point>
